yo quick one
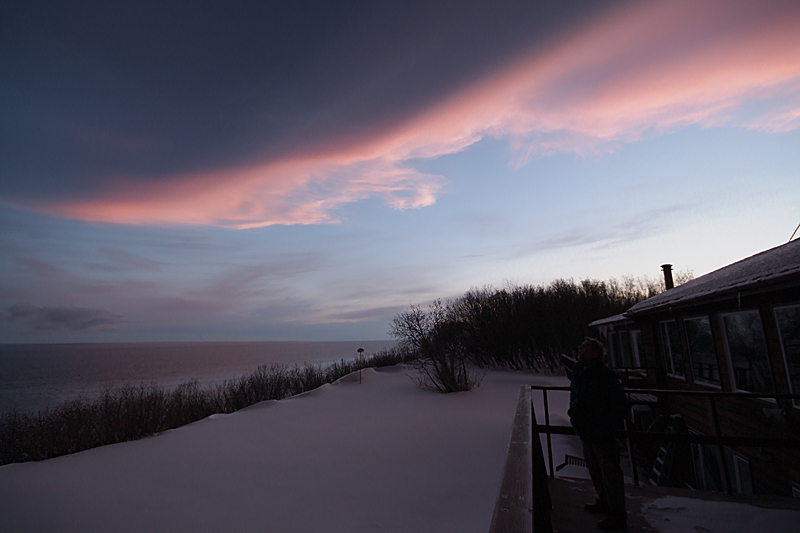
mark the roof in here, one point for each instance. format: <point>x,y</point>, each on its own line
<point>608,320</point>
<point>775,265</point>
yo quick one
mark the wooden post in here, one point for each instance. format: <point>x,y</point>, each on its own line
<point>512,511</point>
<point>542,505</point>
<point>718,434</point>
<point>547,425</point>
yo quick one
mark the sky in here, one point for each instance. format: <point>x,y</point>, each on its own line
<point>306,170</point>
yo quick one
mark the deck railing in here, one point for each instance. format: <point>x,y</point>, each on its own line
<point>651,396</point>
<point>524,505</point>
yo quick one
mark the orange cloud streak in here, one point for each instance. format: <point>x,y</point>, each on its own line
<point>290,192</point>
<point>651,67</point>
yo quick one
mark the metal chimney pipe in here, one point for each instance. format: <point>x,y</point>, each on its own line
<point>668,283</point>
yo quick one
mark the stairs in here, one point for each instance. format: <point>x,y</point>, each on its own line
<point>571,460</point>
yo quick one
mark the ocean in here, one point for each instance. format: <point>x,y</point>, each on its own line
<point>37,376</point>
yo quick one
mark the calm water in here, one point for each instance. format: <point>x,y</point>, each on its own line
<point>35,376</point>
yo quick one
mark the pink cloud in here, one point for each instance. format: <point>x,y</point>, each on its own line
<point>655,66</point>
<point>649,68</point>
<point>290,192</point>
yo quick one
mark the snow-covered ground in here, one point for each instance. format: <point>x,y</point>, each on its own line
<point>380,456</point>
<point>678,515</point>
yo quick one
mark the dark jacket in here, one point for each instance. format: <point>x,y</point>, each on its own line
<point>597,402</point>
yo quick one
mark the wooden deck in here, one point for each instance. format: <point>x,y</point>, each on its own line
<point>569,495</point>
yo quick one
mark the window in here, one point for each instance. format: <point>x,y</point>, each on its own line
<point>708,469</point>
<point>740,473</point>
<point>671,347</point>
<point>702,355</point>
<point>747,352</point>
<point>636,345</point>
<point>788,319</point>
<point>613,350</point>
<point>625,348</point>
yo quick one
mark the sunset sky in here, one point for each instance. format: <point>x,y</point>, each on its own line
<point>171,171</point>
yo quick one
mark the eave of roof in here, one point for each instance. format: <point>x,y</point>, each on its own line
<point>609,320</point>
<point>764,269</point>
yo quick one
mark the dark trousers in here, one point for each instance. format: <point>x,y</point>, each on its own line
<point>602,459</point>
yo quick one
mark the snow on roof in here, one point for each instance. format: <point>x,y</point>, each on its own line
<point>608,320</point>
<point>773,265</point>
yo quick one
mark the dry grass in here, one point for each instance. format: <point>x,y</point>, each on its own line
<point>135,411</point>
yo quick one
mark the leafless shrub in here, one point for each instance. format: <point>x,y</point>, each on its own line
<point>434,336</point>
<point>133,412</point>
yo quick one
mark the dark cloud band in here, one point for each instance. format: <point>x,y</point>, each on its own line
<point>95,92</point>
<point>61,318</point>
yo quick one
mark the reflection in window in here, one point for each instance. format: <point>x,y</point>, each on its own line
<point>701,350</point>
<point>788,319</point>
<point>748,352</point>
<point>671,346</point>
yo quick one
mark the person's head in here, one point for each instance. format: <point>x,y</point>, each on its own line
<point>590,350</point>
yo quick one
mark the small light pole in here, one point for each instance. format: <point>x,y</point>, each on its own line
<point>360,352</point>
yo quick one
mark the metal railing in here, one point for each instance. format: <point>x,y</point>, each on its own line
<point>625,373</point>
<point>644,396</point>
<point>524,503</point>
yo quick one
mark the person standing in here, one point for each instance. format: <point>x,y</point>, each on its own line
<point>597,408</point>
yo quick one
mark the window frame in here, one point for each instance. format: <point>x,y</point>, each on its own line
<point>711,384</point>
<point>613,342</point>
<point>624,341</point>
<point>700,461</point>
<point>666,348</point>
<point>636,342</point>
<point>703,454</point>
<point>729,358</point>
<point>795,402</point>
<point>736,469</point>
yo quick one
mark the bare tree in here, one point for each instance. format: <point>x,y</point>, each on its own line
<point>517,327</point>
<point>436,336</point>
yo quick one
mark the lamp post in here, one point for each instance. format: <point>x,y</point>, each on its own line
<point>360,351</point>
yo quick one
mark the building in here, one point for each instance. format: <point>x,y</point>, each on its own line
<point>736,329</point>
